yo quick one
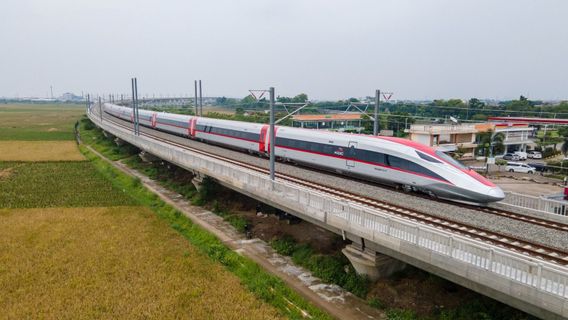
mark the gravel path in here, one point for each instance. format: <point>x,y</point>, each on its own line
<point>522,230</point>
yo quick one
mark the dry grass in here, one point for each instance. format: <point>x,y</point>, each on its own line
<point>40,151</point>
<point>119,262</point>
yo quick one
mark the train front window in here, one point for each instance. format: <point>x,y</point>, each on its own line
<point>427,157</point>
<point>451,160</point>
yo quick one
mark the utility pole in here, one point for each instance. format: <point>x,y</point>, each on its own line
<point>272,140</point>
<point>133,106</point>
<point>88,103</point>
<point>137,107</point>
<point>195,103</point>
<point>376,122</point>
<point>200,100</point>
<point>51,89</point>
<point>101,109</point>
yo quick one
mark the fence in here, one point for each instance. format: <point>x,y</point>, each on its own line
<point>541,204</point>
<point>492,266</point>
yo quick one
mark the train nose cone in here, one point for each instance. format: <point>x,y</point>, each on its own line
<point>495,194</point>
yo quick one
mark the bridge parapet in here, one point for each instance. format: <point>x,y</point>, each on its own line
<point>535,286</point>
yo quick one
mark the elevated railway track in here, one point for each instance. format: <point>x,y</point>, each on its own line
<point>530,276</point>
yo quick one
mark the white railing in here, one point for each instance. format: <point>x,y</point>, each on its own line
<point>446,129</point>
<point>541,204</point>
<point>536,282</point>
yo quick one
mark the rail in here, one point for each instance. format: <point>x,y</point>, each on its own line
<point>505,271</point>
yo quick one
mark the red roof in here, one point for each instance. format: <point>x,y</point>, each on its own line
<point>530,120</point>
<point>327,117</point>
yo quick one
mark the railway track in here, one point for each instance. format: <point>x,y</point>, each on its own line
<point>540,251</point>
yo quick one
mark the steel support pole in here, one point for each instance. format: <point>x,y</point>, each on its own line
<point>137,107</point>
<point>200,100</point>
<point>101,109</point>
<point>272,131</point>
<point>195,104</point>
<point>376,122</point>
<point>133,106</point>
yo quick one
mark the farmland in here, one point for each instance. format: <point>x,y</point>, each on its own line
<point>56,184</point>
<point>36,122</point>
<point>39,151</point>
<point>118,262</point>
<point>81,240</point>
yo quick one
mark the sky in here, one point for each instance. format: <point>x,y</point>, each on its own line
<point>329,49</point>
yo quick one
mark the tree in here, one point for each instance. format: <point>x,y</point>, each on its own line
<point>240,111</point>
<point>498,145</point>
<point>248,99</point>
<point>300,98</point>
<point>474,103</point>
<point>489,139</point>
<point>283,99</point>
<point>564,147</point>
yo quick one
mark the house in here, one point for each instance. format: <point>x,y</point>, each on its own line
<point>517,135</point>
<point>446,137</point>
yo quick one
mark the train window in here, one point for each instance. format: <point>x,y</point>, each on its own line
<point>352,152</point>
<point>397,162</point>
<point>451,160</point>
<point>328,149</point>
<point>427,157</point>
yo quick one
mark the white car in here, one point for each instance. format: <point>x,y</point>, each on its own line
<point>520,167</point>
<point>534,155</point>
<point>522,155</point>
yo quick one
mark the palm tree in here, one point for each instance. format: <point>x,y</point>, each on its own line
<point>564,147</point>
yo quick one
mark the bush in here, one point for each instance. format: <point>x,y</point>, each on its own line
<point>376,303</point>
<point>549,152</point>
<point>400,314</point>
<point>501,162</point>
<point>330,268</point>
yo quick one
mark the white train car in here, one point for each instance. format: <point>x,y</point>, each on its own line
<point>394,161</point>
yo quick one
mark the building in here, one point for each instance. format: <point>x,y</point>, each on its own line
<point>446,137</point>
<point>465,137</point>
<point>339,122</point>
<point>517,135</point>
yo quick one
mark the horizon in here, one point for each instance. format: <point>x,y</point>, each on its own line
<point>420,50</point>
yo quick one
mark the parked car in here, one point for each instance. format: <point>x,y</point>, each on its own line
<point>511,156</point>
<point>520,167</point>
<point>522,155</point>
<point>534,155</point>
<point>539,166</point>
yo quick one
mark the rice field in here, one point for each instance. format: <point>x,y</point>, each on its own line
<point>40,151</point>
<point>34,122</point>
<point>111,263</point>
<point>56,184</point>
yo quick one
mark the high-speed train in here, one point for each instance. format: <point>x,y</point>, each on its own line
<point>394,161</point>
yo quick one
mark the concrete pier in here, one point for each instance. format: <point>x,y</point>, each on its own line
<point>119,142</point>
<point>148,157</point>
<point>371,263</point>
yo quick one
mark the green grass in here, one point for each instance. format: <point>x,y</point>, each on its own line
<point>269,288</point>
<point>56,184</point>
<point>33,122</point>
<point>329,268</point>
<point>93,136</point>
